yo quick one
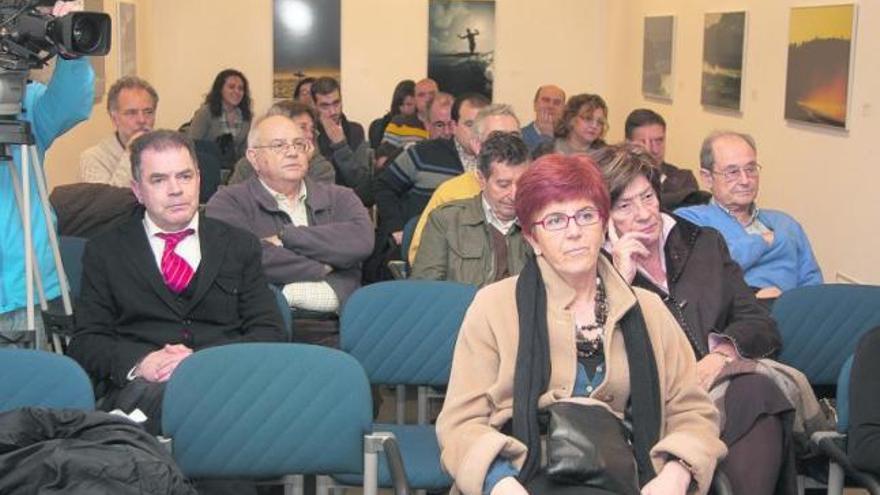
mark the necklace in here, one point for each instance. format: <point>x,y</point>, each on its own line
<point>589,345</point>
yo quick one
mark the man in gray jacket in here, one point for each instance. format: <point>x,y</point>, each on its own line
<point>314,235</point>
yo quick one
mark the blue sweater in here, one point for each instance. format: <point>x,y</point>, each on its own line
<point>786,264</point>
<point>51,111</point>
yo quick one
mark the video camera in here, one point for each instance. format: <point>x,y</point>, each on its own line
<point>29,38</point>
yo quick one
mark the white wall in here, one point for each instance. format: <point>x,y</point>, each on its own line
<point>824,178</point>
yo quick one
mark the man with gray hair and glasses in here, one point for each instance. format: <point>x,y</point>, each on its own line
<point>770,246</point>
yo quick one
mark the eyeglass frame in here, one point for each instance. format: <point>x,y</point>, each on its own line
<point>568,219</point>
<point>280,148</point>
<point>735,172</point>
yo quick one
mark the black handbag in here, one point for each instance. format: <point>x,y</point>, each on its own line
<point>590,446</point>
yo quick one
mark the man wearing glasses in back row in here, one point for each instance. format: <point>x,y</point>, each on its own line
<point>770,246</point>
<point>314,235</point>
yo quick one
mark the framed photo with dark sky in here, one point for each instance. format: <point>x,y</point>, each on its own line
<point>723,45</point>
<point>461,46</point>
<point>306,41</point>
<point>818,74</point>
<point>657,57</point>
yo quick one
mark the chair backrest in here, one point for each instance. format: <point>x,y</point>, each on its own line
<point>821,324</point>
<point>284,309</point>
<point>403,331</point>
<point>72,249</point>
<point>261,410</point>
<point>42,379</point>
<point>843,396</point>
<point>409,229</point>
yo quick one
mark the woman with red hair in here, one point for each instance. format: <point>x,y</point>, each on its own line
<point>569,339</point>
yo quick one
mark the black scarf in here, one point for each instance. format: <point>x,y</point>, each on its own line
<point>532,375</point>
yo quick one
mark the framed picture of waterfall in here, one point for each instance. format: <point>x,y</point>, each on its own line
<point>820,51</point>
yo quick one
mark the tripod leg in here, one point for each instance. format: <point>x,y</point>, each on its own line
<point>53,235</point>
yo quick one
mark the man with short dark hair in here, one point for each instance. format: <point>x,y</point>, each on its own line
<point>164,285</point>
<point>340,140</point>
<point>131,103</point>
<point>770,246</point>
<point>404,187</point>
<point>477,240</point>
<point>678,187</point>
<point>549,103</point>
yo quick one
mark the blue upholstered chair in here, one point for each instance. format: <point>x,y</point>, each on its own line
<point>263,411</point>
<point>821,324</point>
<point>820,327</point>
<point>403,333</point>
<point>42,379</point>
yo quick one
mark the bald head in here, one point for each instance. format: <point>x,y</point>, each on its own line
<point>549,104</point>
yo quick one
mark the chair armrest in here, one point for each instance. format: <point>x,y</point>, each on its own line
<point>386,442</point>
<point>720,484</point>
<point>833,445</point>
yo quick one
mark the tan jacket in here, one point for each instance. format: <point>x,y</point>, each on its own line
<point>479,399</point>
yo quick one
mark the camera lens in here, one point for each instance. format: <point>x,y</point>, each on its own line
<point>86,35</point>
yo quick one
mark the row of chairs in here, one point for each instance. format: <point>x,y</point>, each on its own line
<point>402,333</point>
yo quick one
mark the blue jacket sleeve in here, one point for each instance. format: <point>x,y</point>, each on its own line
<point>499,469</point>
<point>66,101</point>
<point>809,272</point>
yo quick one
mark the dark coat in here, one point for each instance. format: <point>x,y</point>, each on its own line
<point>339,234</point>
<point>679,188</point>
<point>80,452</point>
<point>126,312</point>
<point>709,295</point>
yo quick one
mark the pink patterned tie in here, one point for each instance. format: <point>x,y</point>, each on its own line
<point>175,270</point>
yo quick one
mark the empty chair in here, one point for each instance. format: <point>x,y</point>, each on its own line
<point>263,411</point>
<point>403,332</point>
<point>42,379</point>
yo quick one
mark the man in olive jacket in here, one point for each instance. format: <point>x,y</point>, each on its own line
<point>477,240</point>
<point>314,235</point>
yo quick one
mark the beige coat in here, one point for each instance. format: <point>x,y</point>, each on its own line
<point>479,399</point>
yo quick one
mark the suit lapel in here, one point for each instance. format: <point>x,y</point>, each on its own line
<point>213,248</point>
<point>144,261</point>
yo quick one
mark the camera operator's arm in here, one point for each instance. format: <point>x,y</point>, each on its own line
<point>68,98</point>
<point>66,101</point>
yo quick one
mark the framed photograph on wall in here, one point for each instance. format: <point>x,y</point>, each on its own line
<point>657,57</point>
<point>819,64</point>
<point>126,21</point>
<point>724,36</point>
<point>306,42</point>
<point>461,46</point>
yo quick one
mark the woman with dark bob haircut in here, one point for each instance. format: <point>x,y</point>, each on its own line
<point>225,117</point>
<point>569,332</point>
<point>691,269</point>
<point>403,102</point>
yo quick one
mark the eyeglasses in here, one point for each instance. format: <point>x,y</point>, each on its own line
<point>599,122</point>
<point>555,222</point>
<point>628,206</point>
<point>282,147</point>
<point>732,173</point>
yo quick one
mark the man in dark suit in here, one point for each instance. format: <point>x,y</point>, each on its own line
<point>166,284</point>
<point>678,186</point>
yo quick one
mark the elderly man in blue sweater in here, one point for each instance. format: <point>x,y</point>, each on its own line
<point>770,246</point>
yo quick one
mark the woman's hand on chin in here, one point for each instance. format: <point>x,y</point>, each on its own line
<point>673,479</point>
<point>509,486</point>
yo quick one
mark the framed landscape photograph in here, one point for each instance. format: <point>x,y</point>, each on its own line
<point>724,36</point>
<point>657,57</point>
<point>819,64</point>
<point>306,42</point>
<point>461,45</point>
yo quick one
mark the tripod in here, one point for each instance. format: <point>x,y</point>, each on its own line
<point>18,133</point>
